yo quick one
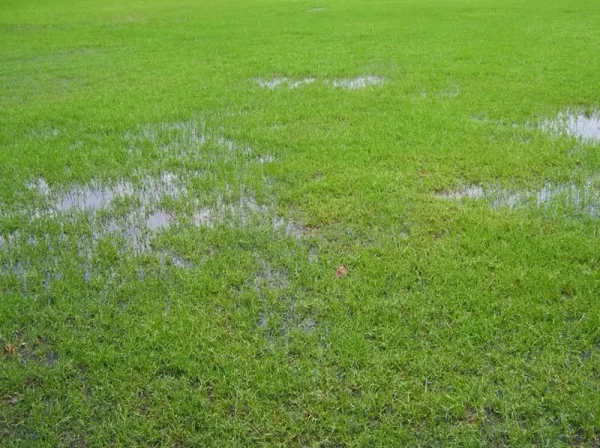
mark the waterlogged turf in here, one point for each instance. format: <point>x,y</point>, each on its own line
<point>337,223</point>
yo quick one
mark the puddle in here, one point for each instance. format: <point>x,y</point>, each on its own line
<point>470,192</point>
<point>582,197</point>
<point>585,127</point>
<point>203,217</point>
<point>181,140</point>
<point>301,82</point>
<point>479,118</point>
<point>17,269</point>
<point>272,84</point>
<point>313,255</point>
<point>44,133</point>
<point>270,278</point>
<point>134,224</point>
<point>95,196</point>
<point>40,186</point>
<point>129,213</point>
<point>286,324</point>
<point>289,227</point>
<point>266,159</point>
<point>307,325</point>
<point>192,131</point>
<point>159,221</point>
<point>136,221</point>
<point>452,92</point>
<point>91,198</point>
<point>181,263</point>
<point>360,82</point>
<point>243,211</point>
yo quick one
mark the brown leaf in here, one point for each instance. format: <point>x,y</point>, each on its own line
<point>341,272</point>
<point>10,349</point>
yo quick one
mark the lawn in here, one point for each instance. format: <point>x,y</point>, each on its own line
<point>299,223</point>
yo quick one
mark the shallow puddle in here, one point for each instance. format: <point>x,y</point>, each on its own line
<point>91,197</point>
<point>45,133</point>
<point>470,192</point>
<point>95,196</point>
<point>263,160</point>
<point>159,221</point>
<point>451,92</point>
<point>272,83</point>
<point>308,325</point>
<point>203,217</point>
<point>191,131</point>
<point>584,198</point>
<point>143,215</point>
<point>289,227</point>
<point>359,82</point>
<point>313,255</point>
<point>282,81</point>
<point>271,279</point>
<point>583,126</point>
<point>40,186</point>
<point>300,82</point>
<point>129,213</point>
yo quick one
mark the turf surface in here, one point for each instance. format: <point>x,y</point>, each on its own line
<point>180,181</point>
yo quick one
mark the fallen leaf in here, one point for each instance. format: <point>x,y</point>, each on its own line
<point>10,349</point>
<point>341,272</point>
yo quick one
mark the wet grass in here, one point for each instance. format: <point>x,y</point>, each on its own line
<point>296,223</point>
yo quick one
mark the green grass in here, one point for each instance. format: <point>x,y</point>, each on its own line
<point>459,323</point>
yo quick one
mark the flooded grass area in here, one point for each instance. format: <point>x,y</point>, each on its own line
<point>132,213</point>
<point>573,123</point>
<point>303,224</point>
<point>578,199</point>
<point>360,82</point>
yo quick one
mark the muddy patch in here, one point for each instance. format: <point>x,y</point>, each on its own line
<point>580,197</point>
<point>571,123</point>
